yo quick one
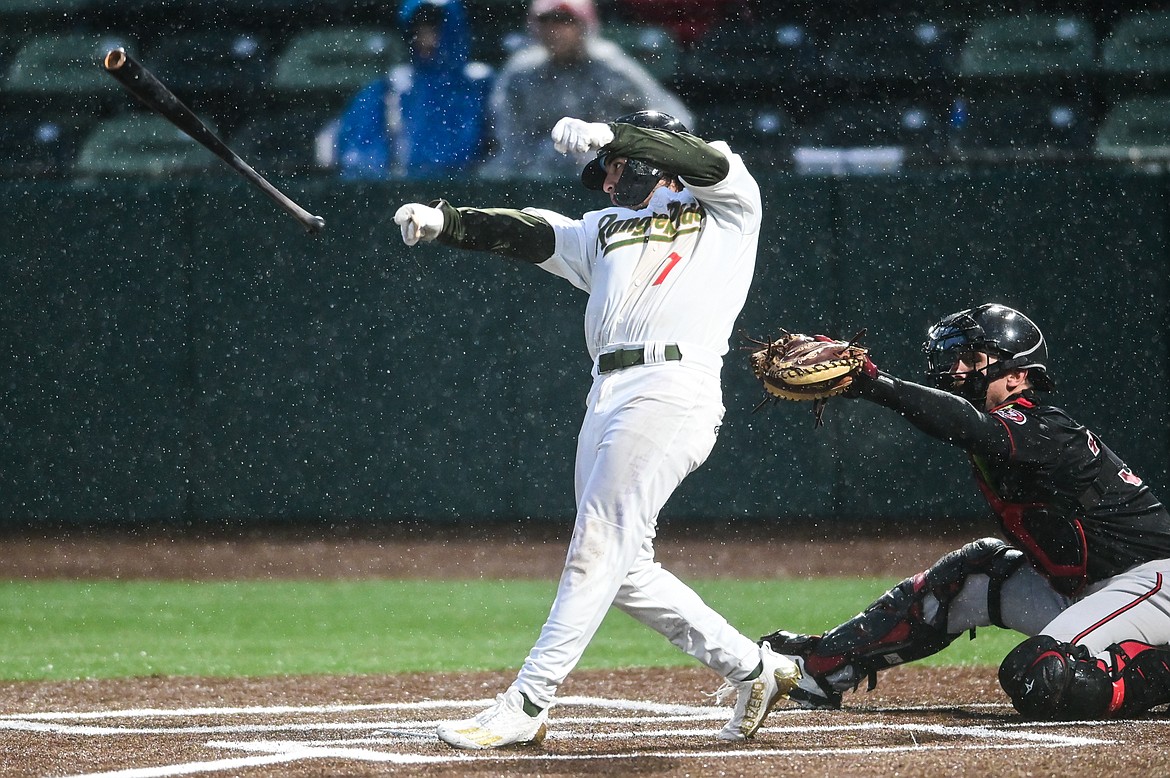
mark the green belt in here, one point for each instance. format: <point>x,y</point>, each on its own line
<point>628,357</point>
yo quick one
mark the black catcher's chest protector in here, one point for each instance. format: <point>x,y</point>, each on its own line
<point>909,621</point>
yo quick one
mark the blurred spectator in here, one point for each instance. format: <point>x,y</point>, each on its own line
<point>425,118</point>
<point>570,71</point>
<point>687,20</point>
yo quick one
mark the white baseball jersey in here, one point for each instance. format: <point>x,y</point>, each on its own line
<point>677,271</point>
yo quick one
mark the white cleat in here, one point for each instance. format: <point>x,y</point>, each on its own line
<point>503,724</point>
<point>756,698</point>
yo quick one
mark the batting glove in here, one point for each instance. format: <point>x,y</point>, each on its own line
<point>578,137</point>
<point>419,223</point>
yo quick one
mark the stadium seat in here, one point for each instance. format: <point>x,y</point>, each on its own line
<point>761,134</point>
<point>215,62</point>
<point>10,8</point>
<point>141,144</point>
<point>9,43</point>
<point>654,47</point>
<point>1029,122</point>
<point>57,65</point>
<point>868,137</point>
<point>336,62</point>
<point>1136,129</point>
<point>40,143</point>
<point>738,55</point>
<point>888,49</point>
<point>1029,45</point>
<point>285,141</point>
<point>911,125</point>
<point>246,7</point>
<point>1138,45</point>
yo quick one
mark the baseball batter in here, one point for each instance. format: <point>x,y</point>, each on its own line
<point>1085,571</point>
<point>667,269</point>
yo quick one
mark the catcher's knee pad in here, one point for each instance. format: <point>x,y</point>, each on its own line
<point>910,621</point>
<point>1051,680</point>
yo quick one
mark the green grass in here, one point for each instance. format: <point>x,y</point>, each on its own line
<point>59,630</point>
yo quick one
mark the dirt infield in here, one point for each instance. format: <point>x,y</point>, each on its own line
<point>918,722</point>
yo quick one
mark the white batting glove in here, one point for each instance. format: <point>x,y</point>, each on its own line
<point>419,223</point>
<point>579,137</point>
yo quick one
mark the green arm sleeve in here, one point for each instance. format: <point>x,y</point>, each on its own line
<point>679,152</point>
<point>505,231</point>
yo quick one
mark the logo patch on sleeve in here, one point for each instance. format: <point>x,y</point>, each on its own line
<point>1129,476</point>
<point>1011,414</point>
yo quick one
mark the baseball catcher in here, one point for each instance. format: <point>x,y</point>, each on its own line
<point>1086,550</point>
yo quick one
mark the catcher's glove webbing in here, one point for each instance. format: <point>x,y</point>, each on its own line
<point>805,367</point>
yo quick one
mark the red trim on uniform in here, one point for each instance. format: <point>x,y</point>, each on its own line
<point>1011,519</point>
<point>1011,437</point>
<point>1021,401</point>
<point>1050,653</point>
<point>1118,694</point>
<point>674,258</point>
<point>1156,588</point>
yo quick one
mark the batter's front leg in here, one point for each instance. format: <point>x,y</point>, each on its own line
<point>642,435</point>
<point>657,598</point>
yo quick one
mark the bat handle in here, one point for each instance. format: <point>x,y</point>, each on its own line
<point>313,224</point>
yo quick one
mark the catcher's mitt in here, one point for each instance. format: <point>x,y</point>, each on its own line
<point>804,367</point>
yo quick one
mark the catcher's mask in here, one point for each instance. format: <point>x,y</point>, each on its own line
<point>639,178</point>
<point>995,330</point>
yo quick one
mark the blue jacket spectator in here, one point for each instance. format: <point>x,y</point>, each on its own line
<point>425,119</point>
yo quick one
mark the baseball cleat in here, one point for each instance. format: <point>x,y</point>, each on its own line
<point>810,692</point>
<point>756,697</point>
<point>503,724</point>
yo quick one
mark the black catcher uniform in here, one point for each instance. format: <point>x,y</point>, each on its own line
<point>1086,557</point>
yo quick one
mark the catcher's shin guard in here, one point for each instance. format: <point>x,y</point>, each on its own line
<point>811,691</point>
<point>909,621</point>
<point>1050,680</point>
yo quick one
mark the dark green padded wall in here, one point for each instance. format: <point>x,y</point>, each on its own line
<point>94,327</point>
<point>181,352</point>
<point>1083,255</point>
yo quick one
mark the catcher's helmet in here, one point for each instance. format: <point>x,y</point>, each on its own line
<point>992,329</point>
<point>639,178</point>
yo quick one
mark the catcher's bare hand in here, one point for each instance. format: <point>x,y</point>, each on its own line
<point>419,223</point>
<point>574,136</point>
<point>810,367</point>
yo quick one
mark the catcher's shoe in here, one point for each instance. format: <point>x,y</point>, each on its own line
<point>755,698</point>
<point>503,724</point>
<point>810,693</point>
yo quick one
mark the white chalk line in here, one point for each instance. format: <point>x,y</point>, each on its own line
<point>280,752</point>
<point>395,735</point>
<point>141,713</point>
<point>429,724</point>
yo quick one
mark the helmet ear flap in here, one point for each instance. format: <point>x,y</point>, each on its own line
<point>593,175</point>
<point>1040,379</point>
<point>636,183</point>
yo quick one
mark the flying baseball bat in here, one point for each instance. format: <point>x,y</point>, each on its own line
<point>146,87</point>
